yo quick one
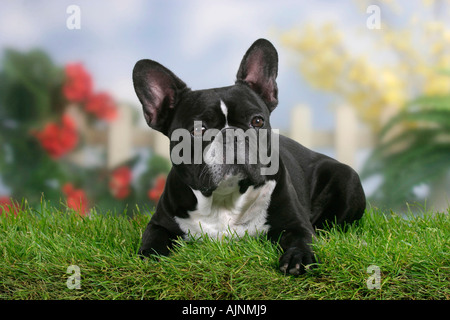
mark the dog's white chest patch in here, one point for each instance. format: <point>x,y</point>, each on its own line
<point>228,212</point>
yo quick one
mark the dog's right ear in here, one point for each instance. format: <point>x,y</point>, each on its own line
<point>157,89</point>
<point>259,70</point>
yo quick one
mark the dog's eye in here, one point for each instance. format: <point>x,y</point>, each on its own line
<point>257,122</point>
<point>198,131</point>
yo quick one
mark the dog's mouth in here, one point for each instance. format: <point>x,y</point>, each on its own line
<point>224,176</point>
<point>226,181</point>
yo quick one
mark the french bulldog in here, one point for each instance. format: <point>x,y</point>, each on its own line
<point>221,183</point>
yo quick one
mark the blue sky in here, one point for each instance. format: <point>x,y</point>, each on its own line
<point>200,41</point>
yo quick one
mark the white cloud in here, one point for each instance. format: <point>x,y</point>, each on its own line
<point>20,26</point>
<point>24,24</point>
<point>208,22</point>
<point>106,17</point>
<point>207,38</point>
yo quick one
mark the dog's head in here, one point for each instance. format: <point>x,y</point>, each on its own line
<point>215,133</point>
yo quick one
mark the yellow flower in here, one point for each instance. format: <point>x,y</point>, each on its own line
<point>409,64</point>
<point>437,84</point>
<point>394,89</point>
<point>437,48</point>
<point>428,3</point>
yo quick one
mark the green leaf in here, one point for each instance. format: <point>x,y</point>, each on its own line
<point>418,154</point>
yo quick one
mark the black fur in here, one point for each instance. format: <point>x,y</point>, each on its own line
<point>311,189</point>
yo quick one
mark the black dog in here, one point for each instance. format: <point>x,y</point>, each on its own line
<point>218,188</point>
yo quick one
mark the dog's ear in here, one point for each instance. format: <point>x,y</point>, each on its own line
<point>157,89</point>
<point>259,69</point>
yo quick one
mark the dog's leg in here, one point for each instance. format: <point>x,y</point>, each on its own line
<point>297,252</point>
<point>291,228</point>
<point>336,195</point>
<point>156,240</point>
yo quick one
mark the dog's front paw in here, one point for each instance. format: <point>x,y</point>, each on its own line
<point>297,260</point>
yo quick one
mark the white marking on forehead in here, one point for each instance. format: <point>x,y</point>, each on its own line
<point>224,109</point>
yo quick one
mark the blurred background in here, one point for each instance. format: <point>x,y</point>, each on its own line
<point>367,82</point>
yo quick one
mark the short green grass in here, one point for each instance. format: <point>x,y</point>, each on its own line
<point>37,247</point>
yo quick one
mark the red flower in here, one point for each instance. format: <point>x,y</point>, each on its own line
<point>78,86</point>
<point>58,140</point>
<point>102,105</point>
<point>119,185</point>
<point>155,193</point>
<point>7,206</point>
<point>76,199</point>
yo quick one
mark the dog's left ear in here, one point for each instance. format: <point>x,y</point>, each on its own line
<point>259,70</point>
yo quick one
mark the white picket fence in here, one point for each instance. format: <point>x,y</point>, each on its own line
<point>346,140</point>
<point>119,137</point>
<point>122,136</point>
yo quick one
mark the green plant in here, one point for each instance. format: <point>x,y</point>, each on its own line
<point>38,135</point>
<point>414,150</point>
<point>38,246</point>
<point>410,53</point>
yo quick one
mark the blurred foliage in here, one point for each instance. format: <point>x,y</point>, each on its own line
<point>376,78</point>
<point>377,72</point>
<point>30,86</point>
<point>156,166</point>
<point>38,137</point>
<point>414,150</point>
